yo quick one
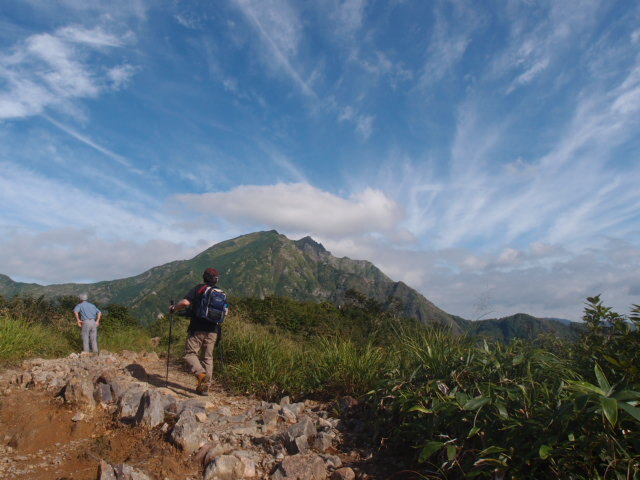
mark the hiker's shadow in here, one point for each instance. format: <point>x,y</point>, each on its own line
<point>138,372</point>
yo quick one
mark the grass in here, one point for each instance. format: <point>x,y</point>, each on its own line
<point>20,339</point>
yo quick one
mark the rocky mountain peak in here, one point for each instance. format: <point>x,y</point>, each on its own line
<point>312,248</point>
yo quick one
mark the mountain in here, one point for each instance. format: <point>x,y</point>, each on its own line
<point>522,326</point>
<point>255,265</point>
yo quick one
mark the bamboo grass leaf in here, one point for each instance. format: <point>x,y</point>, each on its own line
<point>602,379</point>
<point>429,449</point>
<point>545,451</point>
<point>610,409</point>
<point>476,403</point>
<point>451,452</point>
<point>633,411</point>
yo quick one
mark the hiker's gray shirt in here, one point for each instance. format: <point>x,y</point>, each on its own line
<point>87,311</point>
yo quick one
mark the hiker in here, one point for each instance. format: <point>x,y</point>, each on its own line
<point>202,332</point>
<point>88,318</point>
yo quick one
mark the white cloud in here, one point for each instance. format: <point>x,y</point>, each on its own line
<point>449,41</point>
<point>348,15</point>
<point>278,27</point>
<point>96,37</point>
<point>83,255</point>
<point>549,282</point>
<point>363,123</point>
<point>300,207</point>
<point>121,75</point>
<point>52,69</point>
<point>541,36</point>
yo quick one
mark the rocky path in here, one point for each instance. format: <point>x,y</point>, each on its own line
<point>112,417</point>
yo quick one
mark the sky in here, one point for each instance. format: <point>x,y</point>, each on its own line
<point>485,153</point>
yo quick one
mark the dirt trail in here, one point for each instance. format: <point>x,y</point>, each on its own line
<point>41,441</point>
<point>42,437</point>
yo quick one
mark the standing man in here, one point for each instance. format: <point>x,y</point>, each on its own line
<point>202,332</point>
<point>88,318</point>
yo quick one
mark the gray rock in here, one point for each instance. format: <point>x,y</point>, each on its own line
<point>270,419</point>
<point>298,445</point>
<point>304,426</point>
<point>297,437</point>
<point>119,388</point>
<point>151,409</point>
<point>79,392</point>
<point>187,433</point>
<point>324,423</point>
<point>106,471</point>
<point>322,442</point>
<point>301,467</point>
<point>296,408</point>
<point>127,472</point>
<point>332,461</point>
<point>102,393</point>
<point>344,473</point>
<point>216,451</point>
<point>224,467</point>
<point>288,415</point>
<point>192,406</point>
<point>285,400</point>
<point>130,401</point>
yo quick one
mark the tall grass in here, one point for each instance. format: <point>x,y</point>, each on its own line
<point>20,339</point>
<point>339,366</point>
<point>123,338</point>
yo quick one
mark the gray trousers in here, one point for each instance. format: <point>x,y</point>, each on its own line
<point>198,342</point>
<point>89,336</point>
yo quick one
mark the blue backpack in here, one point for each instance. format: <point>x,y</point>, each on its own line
<point>212,304</point>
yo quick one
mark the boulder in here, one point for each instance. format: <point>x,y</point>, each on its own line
<point>106,471</point>
<point>127,472</point>
<point>323,441</point>
<point>102,393</point>
<point>224,467</point>
<point>79,392</point>
<point>344,473</point>
<point>304,426</point>
<point>301,467</point>
<point>270,419</point>
<point>150,409</point>
<point>129,401</point>
<point>187,433</point>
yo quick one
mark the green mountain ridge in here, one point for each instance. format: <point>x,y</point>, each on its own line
<point>521,325</point>
<point>258,265</point>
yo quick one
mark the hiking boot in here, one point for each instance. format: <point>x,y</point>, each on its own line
<point>203,383</point>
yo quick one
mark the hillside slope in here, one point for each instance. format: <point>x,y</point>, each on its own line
<point>255,265</point>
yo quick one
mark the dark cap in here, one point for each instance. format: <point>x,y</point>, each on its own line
<point>210,275</point>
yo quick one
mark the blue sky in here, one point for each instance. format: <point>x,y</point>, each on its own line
<point>486,153</point>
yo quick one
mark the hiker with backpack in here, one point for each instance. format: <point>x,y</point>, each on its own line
<point>208,306</point>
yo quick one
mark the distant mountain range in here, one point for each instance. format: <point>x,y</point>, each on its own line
<point>270,264</point>
<point>522,326</point>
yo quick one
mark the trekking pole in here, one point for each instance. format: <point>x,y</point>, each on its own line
<point>166,381</point>
<point>221,348</point>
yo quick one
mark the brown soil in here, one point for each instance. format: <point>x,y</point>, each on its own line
<point>44,443</point>
<point>40,441</point>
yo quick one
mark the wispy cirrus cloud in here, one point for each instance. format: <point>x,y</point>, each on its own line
<point>279,27</point>
<point>450,38</point>
<point>541,36</point>
<point>49,69</point>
